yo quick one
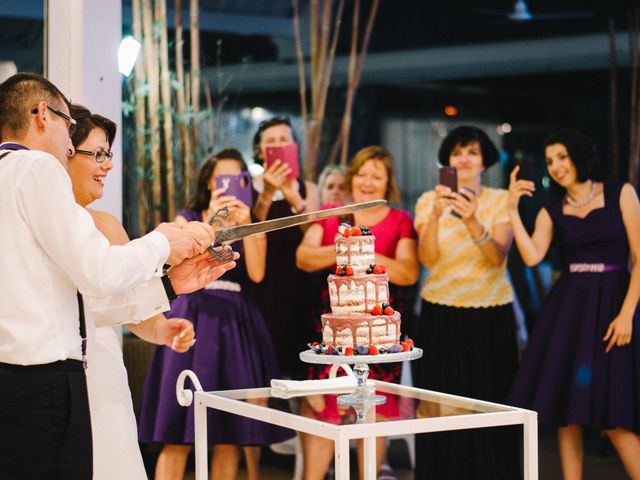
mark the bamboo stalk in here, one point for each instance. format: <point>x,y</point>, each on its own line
<point>151,59</point>
<point>167,121</point>
<point>140,119</point>
<point>355,81</point>
<point>302,82</point>
<point>181,113</point>
<point>195,86</point>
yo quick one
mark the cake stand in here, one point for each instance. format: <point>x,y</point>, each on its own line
<point>362,396</point>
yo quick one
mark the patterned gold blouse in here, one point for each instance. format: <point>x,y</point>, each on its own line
<point>462,276</point>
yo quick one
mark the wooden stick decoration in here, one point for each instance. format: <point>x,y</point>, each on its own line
<point>195,88</point>
<point>181,113</point>
<point>140,119</point>
<point>151,59</point>
<point>167,120</point>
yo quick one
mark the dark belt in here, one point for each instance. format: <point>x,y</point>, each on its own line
<point>61,365</point>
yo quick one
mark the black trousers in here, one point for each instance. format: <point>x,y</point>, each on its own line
<point>45,428</point>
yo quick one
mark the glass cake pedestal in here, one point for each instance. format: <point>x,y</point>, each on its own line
<point>363,396</point>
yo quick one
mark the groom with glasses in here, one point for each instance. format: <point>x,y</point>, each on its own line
<point>54,261</point>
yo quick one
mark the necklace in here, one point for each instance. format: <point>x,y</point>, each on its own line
<point>587,199</point>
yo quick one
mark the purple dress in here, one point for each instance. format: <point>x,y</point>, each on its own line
<point>565,374</point>
<point>233,351</point>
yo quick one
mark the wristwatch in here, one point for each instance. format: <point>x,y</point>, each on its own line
<point>166,283</point>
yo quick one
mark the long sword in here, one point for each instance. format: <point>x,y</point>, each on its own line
<point>231,234</point>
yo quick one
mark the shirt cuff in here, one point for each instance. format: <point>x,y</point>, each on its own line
<point>151,299</point>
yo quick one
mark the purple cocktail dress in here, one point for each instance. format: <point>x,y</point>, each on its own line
<point>233,351</point>
<point>566,375</point>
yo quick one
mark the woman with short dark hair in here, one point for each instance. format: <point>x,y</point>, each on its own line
<point>582,365</point>
<point>467,322</point>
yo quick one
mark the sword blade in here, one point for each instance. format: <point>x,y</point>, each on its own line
<point>235,233</point>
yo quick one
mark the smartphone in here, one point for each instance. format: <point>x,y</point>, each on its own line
<point>449,178</point>
<point>526,170</point>
<point>238,186</point>
<point>286,154</point>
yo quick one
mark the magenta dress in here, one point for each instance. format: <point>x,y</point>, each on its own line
<point>397,225</point>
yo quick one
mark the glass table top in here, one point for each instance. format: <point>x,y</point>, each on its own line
<point>403,403</point>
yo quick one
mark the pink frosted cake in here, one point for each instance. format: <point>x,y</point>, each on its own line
<point>361,320</point>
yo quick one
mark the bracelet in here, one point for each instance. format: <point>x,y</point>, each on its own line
<point>484,237</point>
<point>155,332</point>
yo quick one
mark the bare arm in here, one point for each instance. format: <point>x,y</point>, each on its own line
<point>310,255</point>
<point>620,330</point>
<point>402,270</point>
<point>532,248</point>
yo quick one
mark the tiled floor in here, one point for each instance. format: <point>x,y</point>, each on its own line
<point>601,462</point>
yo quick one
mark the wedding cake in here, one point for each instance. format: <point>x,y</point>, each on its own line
<point>361,322</point>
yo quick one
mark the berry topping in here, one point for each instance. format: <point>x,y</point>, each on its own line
<point>378,269</point>
<point>343,227</point>
<point>410,343</point>
<point>356,232</point>
<point>362,350</point>
<point>373,350</point>
<point>343,271</point>
<point>348,351</point>
<point>331,349</point>
<point>338,270</point>
<point>369,271</point>
<point>376,310</point>
<point>347,232</point>
<point>388,310</point>
<point>395,348</point>
<point>405,347</point>
<point>348,271</point>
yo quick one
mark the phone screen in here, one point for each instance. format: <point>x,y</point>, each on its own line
<point>449,178</point>
<point>286,154</point>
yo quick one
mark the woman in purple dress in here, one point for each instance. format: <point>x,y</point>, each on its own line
<point>233,349</point>
<point>582,365</point>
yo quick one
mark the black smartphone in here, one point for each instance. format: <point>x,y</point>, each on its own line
<point>526,170</point>
<point>449,178</point>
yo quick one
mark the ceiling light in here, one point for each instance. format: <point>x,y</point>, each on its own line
<point>451,110</point>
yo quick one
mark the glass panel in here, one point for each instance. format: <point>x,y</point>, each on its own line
<point>402,404</point>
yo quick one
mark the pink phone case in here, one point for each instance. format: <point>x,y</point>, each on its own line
<point>286,154</point>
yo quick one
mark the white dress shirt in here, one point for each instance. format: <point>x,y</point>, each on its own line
<point>49,247</point>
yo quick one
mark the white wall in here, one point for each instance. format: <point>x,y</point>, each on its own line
<point>82,60</point>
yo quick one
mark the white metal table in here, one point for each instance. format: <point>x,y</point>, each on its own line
<point>429,412</point>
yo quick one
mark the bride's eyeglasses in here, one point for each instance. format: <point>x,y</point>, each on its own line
<point>99,155</point>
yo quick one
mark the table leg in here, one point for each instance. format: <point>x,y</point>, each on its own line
<point>530,433</point>
<point>201,439</point>
<point>342,457</point>
<point>370,458</point>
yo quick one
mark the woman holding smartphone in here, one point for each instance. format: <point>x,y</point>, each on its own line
<point>467,323</point>
<point>285,294</point>
<point>582,365</point>
<point>233,351</point>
